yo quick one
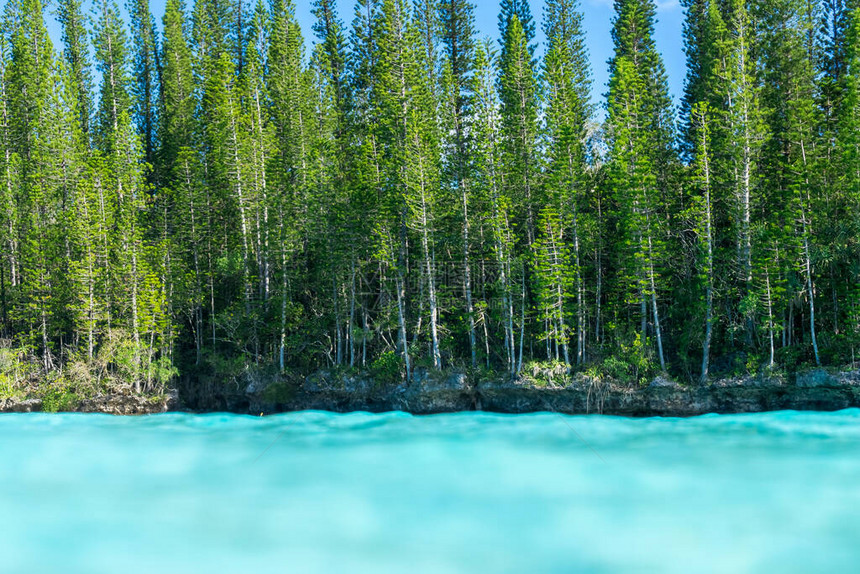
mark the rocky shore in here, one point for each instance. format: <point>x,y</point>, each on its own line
<point>105,404</point>
<point>430,393</point>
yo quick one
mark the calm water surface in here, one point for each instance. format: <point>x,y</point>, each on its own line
<point>317,492</point>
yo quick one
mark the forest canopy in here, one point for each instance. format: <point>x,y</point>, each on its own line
<point>211,195</point>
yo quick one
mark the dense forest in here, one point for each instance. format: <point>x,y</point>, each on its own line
<point>213,196</point>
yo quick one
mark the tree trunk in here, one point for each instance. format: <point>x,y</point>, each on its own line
<point>351,326</point>
<point>807,258</point>
<point>709,253</point>
<point>237,167</point>
<point>467,279</point>
<point>770,319</point>
<point>431,281</point>
<point>657,330</point>
<point>522,322</point>
<point>401,320</point>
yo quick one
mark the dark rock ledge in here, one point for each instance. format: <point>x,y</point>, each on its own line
<point>105,404</point>
<point>430,393</point>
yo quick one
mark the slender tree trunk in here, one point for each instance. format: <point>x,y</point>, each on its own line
<point>266,270</point>
<point>746,174</point>
<point>103,232</point>
<point>503,261</point>
<point>12,244</point>
<point>195,253</point>
<point>467,278</point>
<point>5,316</point>
<point>486,340</point>
<point>769,318</point>
<point>657,330</point>
<point>522,323</point>
<point>598,258</point>
<point>365,335</point>
<point>431,282</point>
<point>351,326</point>
<point>810,287</point>
<point>562,329</point>
<point>243,218</point>
<point>282,343</point>
<point>337,323</point>
<point>580,303</point>
<point>805,204</point>
<point>46,350</point>
<point>135,320</point>
<point>401,318</point>
<point>709,253</point>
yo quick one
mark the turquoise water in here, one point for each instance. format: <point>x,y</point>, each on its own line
<point>317,492</point>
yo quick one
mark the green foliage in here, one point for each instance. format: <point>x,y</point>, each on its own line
<point>547,373</point>
<point>388,367</point>
<point>632,365</point>
<point>7,388</point>
<point>612,368</point>
<point>15,371</point>
<point>57,399</point>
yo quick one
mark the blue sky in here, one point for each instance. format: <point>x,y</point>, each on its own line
<point>598,17</point>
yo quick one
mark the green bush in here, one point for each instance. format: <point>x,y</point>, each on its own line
<point>7,388</point>
<point>547,373</point>
<point>615,369</point>
<point>58,399</point>
<point>388,367</point>
<point>632,364</point>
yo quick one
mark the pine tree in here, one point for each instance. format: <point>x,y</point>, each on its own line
<point>334,159</point>
<point>744,140</point>
<point>111,45</point>
<point>457,22</point>
<point>289,86</point>
<point>488,183</point>
<point>76,54</point>
<point>32,127</point>
<point>408,166</point>
<point>422,173</point>
<point>214,72</point>
<point>182,200</point>
<point>8,207</point>
<point>640,151</point>
<point>834,49</point>
<point>568,110</point>
<point>791,154</point>
<point>428,26</point>
<point>553,273</point>
<point>146,75</point>
<point>329,32</point>
<point>706,46</point>
<point>523,12</point>
<point>518,94</point>
<point>259,143</point>
<point>177,104</point>
<point>848,160</point>
<point>703,218</point>
<point>134,291</point>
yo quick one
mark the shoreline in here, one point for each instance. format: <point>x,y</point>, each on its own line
<point>433,393</point>
<point>440,392</point>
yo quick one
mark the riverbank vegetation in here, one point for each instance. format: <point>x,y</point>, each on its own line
<point>213,196</point>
